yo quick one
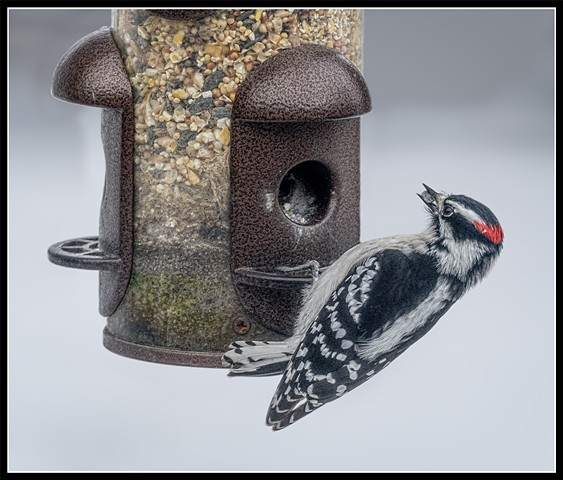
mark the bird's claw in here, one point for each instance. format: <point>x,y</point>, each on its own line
<point>312,267</point>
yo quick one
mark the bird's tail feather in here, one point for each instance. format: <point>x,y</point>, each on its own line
<point>288,409</point>
<point>255,358</point>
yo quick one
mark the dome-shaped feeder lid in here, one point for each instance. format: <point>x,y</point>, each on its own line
<point>302,84</point>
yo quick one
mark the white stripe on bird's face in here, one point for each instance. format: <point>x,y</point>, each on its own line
<point>469,214</point>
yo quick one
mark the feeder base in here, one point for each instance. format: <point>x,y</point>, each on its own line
<point>169,356</point>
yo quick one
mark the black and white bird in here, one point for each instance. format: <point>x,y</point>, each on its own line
<point>371,304</point>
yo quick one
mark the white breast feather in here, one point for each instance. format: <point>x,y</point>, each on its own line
<point>319,294</point>
<point>406,325</point>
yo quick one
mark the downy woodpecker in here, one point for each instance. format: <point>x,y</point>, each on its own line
<point>371,304</point>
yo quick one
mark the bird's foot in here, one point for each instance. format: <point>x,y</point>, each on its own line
<point>312,268</point>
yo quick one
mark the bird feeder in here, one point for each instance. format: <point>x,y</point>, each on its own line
<point>231,141</point>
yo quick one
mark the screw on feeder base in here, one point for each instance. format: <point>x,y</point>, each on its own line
<point>241,326</point>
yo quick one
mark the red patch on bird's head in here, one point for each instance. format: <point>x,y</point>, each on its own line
<point>493,232</point>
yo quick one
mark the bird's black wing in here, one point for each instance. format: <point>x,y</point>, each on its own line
<point>326,364</point>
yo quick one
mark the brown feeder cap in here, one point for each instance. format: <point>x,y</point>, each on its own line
<point>303,84</point>
<point>182,14</point>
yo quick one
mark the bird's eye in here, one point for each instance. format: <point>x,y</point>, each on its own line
<point>447,211</point>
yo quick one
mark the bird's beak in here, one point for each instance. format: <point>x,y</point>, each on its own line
<point>430,198</point>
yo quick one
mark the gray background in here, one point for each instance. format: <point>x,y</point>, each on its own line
<point>463,102</point>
